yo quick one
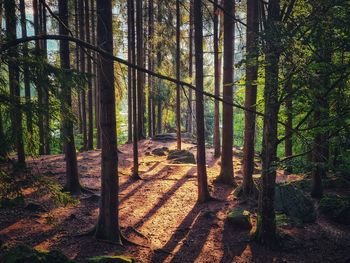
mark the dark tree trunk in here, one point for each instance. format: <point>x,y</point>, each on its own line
<point>107,227</point>
<point>178,102</point>
<point>159,63</point>
<point>288,131</point>
<point>26,68</point>
<point>82,70</point>
<point>217,82</point>
<point>130,72</point>
<point>190,69</point>
<point>203,192</point>
<point>266,227</point>
<point>72,181</point>
<point>77,56</point>
<point>226,174</point>
<point>90,138</point>
<point>248,186</point>
<point>140,75</point>
<point>13,72</point>
<point>150,67</point>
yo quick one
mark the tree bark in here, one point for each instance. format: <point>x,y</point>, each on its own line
<point>150,67</point>
<point>252,55</point>
<point>190,69</point>
<point>203,192</point>
<point>130,72</point>
<point>226,174</point>
<point>178,102</point>
<point>72,181</point>
<point>288,143</point>
<point>107,227</point>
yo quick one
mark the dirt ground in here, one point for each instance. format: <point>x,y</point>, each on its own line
<point>160,213</point>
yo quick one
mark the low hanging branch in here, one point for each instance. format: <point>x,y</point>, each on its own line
<point>6,46</point>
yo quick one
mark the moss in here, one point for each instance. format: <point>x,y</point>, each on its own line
<point>25,254</point>
<point>335,208</point>
<point>181,156</point>
<point>110,259</point>
<point>240,218</point>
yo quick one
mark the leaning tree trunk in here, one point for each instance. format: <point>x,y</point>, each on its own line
<point>203,192</point>
<point>178,102</point>
<point>248,187</point>
<point>266,226</point>
<point>107,227</point>
<point>72,181</point>
<point>226,173</point>
<point>217,82</point>
<point>13,72</point>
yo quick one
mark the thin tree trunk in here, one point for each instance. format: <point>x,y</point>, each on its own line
<point>13,70</point>
<point>248,186</point>
<point>226,174</point>
<point>130,73</point>
<point>203,192</point>
<point>107,227</point>
<point>150,67</point>
<point>159,63</point>
<point>190,68</point>
<point>72,181</point>
<point>288,143</point>
<point>77,56</point>
<point>178,102</point>
<point>25,68</point>
<point>217,82</point>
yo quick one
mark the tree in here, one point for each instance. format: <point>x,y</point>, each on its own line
<point>252,54</point>
<point>226,173</point>
<point>178,102</point>
<point>130,71</point>
<point>72,182</point>
<point>217,81</point>
<point>151,109</point>
<point>203,192</point>
<point>13,73</point>
<point>190,68</point>
<point>107,227</point>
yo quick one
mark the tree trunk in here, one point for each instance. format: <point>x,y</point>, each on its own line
<point>130,72</point>
<point>217,83</point>
<point>150,67</point>
<point>72,183</point>
<point>226,174</point>
<point>288,143</point>
<point>190,69</point>
<point>26,68</point>
<point>266,227</point>
<point>178,102</point>
<point>77,56</point>
<point>107,227</point>
<point>203,192</point>
<point>13,72</point>
<point>159,63</point>
<point>90,138</point>
<point>252,55</point>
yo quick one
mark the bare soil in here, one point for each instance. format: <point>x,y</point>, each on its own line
<point>161,214</point>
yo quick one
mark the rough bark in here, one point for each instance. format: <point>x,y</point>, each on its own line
<point>130,73</point>
<point>150,67</point>
<point>203,192</point>
<point>178,102</point>
<point>107,227</point>
<point>190,69</point>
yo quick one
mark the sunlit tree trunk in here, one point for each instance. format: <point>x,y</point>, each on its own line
<point>226,173</point>
<point>72,181</point>
<point>248,186</point>
<point>178,102</point>
<point>107,227</point>
<point>159,63</point>
<point>150,67</point>
<point>203,192</point>
<point>190,69</point>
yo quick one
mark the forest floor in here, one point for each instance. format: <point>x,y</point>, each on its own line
<point>161,213</point>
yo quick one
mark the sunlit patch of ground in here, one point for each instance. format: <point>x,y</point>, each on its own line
<point>159,212</point>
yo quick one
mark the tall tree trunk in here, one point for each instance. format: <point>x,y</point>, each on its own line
<point>248,186</point>
<point>26,68</point>
<point>82,70</point>
<point>98,106</point>
<point>190,69</point>
<point>178,102</point>
<point>77,62</point>
<point>72,181</point>
<point>130,72</point>
<point>266,227</point>
<point>13,71</point>
<point>150,67</point>
<point>226,173</point>
<point>217,82</point>
<point>159,64</point>
<point>288,143</point>
<point>140,75</point>
<point>107,227</point>
<point>90,135</point>
<point>203,192</point>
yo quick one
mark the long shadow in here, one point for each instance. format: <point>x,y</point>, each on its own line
<point>164,199</point>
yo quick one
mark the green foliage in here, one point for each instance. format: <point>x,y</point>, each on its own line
<point>336,208</point>
<point>110,259</point>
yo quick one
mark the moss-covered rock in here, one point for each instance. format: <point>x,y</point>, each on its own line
<point>159,152</point>
<point>25,254</point>
<point>239,218</point>
<point>336,209</point>
<point>181,156</point>
<point>110,259</point>
<point>292,201</point>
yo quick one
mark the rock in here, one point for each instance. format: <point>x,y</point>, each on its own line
<point>181,156</point>
<point>292,201</point>
<point>239,218</point>
<point>110,259</point>
<point>166,137</point>
<point>25,254</point>
<point>34,207</point>
<point>336,208</point>
<point>159,152</point>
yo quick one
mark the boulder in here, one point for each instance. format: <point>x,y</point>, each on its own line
<point>239,218</point>
<point>166,137</point>
<point>181,156</point>
<point>336,208</point>
<point>25,254</point>
<point>110,259</point>
<point>292,201</point>
<point>159,151</point>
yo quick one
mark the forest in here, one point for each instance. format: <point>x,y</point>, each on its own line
<point>174,131</point>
